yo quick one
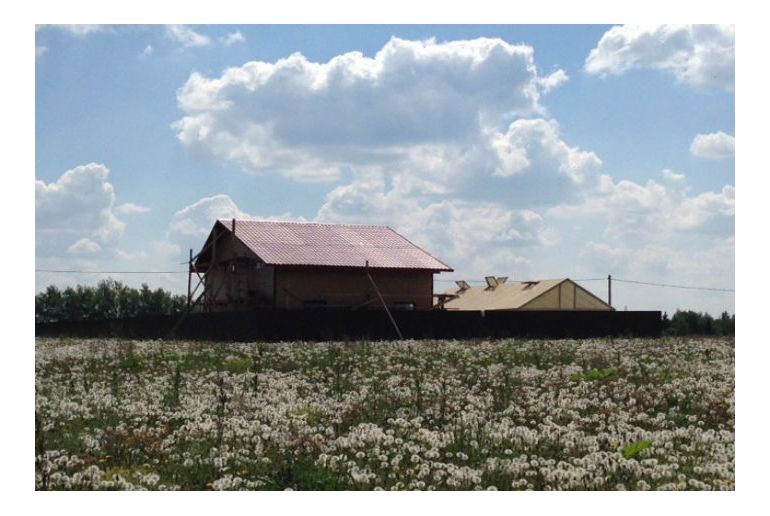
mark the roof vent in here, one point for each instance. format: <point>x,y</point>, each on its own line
<point>502,279</point>
<point>530,284</point>
<point>491,281</point>
<point>463,285</point>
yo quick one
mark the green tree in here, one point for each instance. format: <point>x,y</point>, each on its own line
<point>109,299</point>
<point>49,305</point>
<point>688,322</point>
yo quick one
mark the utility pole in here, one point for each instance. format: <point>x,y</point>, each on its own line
<point>609,289</point>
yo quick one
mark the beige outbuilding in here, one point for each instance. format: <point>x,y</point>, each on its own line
<point>500,294</point>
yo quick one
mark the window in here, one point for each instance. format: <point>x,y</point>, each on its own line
<point>403,305</point>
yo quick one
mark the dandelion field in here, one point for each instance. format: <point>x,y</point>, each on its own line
<point>631,414</point>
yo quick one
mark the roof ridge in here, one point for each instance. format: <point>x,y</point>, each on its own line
<point>515,282</point>
<point>306,222</point>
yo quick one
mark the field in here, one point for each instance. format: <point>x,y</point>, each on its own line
<point>631,414</point>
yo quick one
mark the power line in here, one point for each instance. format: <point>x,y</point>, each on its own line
<point>674,286</point>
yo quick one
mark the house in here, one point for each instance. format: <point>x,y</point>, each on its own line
<point>500,294</point>
<point>256,263</point>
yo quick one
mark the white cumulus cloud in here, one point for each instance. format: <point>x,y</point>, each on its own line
<point>232,39</point>
<point>130,208</point>
<point>186,36</point>
<point>190,225</point>
<point>198,218</point>
<point>79,204</point>
<point>84,246</point>
<point>655,210</point>
<point>697,55</point>
<point>657,232</point>
<point>538,141</point>
<point>294,116</point>
<point>713,146</point>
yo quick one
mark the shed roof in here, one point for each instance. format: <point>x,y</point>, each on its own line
<point>506,296</point>
<point>332,245</point>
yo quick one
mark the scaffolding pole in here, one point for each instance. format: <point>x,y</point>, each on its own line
<point>382,300</point>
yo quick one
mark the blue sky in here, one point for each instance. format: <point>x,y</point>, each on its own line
<point>527,151</point>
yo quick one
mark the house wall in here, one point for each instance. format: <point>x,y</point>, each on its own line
<point>348,288</point>
<point>567,296</point>
<point>240,282</point>
<point>547,301</point>
<point>586,301</point>
<point>237,280</point>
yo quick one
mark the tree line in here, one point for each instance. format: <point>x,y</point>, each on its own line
<point>687,322</point>
<point>109,299</point>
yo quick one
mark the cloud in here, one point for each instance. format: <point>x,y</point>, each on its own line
<point>130,256</point>
<point>702,56</point>
<point>185,36</point>
<point>554,80</point>
<point>713,146</point>
<point>198,218</point>
<point>654,211</point>
<point>232,39</point>
<point>130,208</point>
<point>483,199</point>
<point>190,225</point>
<point>294,116</point>
<point>711,264</point>
<point>147,51</point>
<point>536,143</point>
<point>656,232</point>
<point>84,246</point>
<point>78,205</point>
<point>40,50</point>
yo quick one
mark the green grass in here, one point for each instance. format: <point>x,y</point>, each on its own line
<point>632,450</point>
<point>594,375</point>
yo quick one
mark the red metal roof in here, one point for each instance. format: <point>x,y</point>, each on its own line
<point>334,245</point>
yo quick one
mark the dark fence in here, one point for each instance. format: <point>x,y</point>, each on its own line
<point>314,325</point>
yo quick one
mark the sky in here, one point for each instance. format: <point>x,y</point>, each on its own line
<point>531,152</point>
